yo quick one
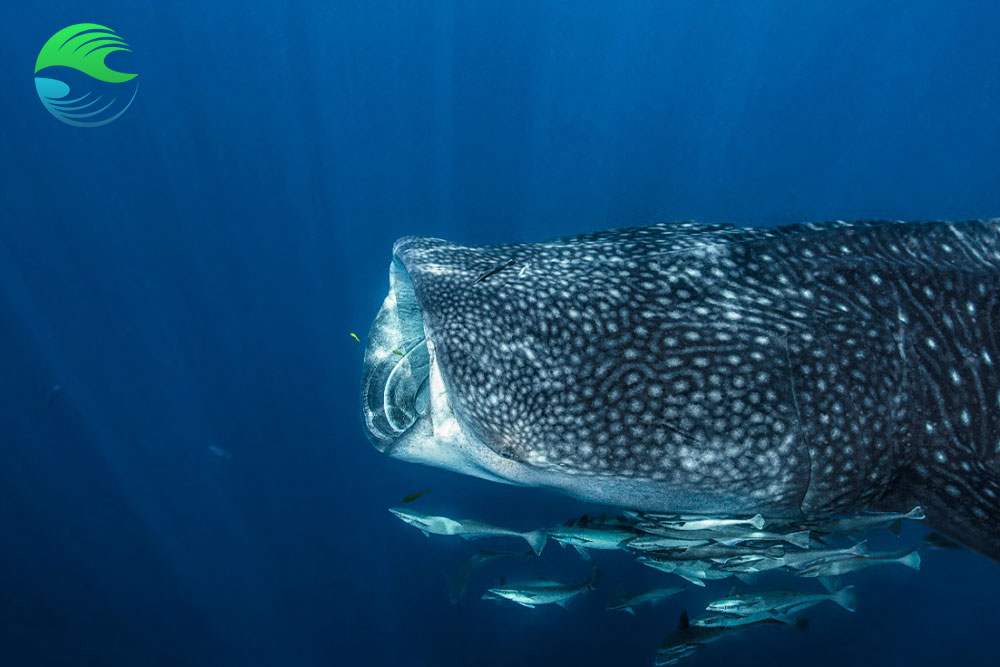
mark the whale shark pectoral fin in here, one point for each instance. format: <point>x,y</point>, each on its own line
<point>963,505</point>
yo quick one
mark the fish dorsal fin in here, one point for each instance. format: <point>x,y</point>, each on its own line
<point>684,623</point>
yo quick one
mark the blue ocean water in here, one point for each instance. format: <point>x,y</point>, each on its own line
<point>187,277</point>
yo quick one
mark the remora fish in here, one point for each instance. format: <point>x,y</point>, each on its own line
<point>728,535</point>
<point>871,521</point>
<point>834,567</point>
<point>460,581</point>
<point>732,621</point>
<point>583,534</point>
<point>630,602</point>
<point>658,543</point>
<point>688,638</point>
<point>707,523</point>
<point>800,559</point>
<point>721,553</point>
<point>799,372</point>
<point>465,528</point>
<point>781,601</point>
<point>533,593</point>
<point>695,571</point>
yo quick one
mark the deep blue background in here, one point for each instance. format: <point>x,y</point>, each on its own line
<point>188,276</point>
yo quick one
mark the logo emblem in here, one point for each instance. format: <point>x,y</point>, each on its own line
<point>75,84</point>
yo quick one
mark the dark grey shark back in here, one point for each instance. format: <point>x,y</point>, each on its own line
<point>809,369</point>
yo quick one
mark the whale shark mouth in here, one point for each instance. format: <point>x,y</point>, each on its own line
<point>395,385</point>
<point>406,405</point>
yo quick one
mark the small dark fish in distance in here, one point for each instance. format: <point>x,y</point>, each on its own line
<point>220,452</point>
<point>939,541</point>
<point>413,496</point>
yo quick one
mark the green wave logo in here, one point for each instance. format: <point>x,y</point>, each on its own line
<point>73,81</point>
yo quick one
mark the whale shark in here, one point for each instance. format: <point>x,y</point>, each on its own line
<point>803,371</point>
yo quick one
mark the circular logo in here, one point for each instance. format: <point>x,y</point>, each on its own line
<point>75,84</point>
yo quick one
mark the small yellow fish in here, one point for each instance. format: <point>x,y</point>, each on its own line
<point>397,352</point>
<point>355,337</point>
<point>413,496</point>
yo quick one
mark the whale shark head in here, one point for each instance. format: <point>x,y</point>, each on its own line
<point>568,364</point>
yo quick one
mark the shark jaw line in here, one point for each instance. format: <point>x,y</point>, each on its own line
<point>405,401</point>
<point>438,438</point>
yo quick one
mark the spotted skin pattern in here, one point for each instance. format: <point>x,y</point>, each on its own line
<point>807,370</point>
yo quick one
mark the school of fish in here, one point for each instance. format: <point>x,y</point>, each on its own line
<point>695,550</point>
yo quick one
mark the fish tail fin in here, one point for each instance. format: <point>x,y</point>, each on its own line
<point>595,579</point>
<point>690,577</point>
<point>859,549</point>
<point>757,522</point>
<point>799,539</point>
<point>831,584</point>
<point>910,559</point>
<point>536,540</point>
<point>846,598</point>
<point>916,514</point>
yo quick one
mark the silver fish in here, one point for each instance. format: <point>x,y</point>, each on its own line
<point>628,603</point>
<point>688,638</point>
<point>835,567</point>
<point>533,593</point>
<point>721,620</point>
<point>697,572</point>
<point>467,529</point>
<point>711,523</point>
<point>751,563</point>
<point>801,559</point>
<point>659,543</point>
<point>869,521</point>
<point>781,601</point>
<point>730,535</point>
<point>584,534</point>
